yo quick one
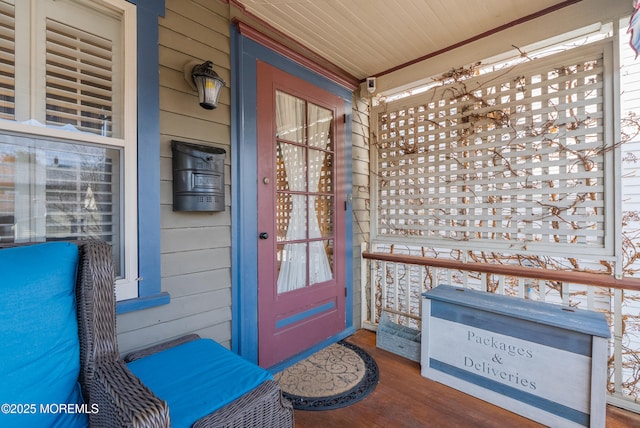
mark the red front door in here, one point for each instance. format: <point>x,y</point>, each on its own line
<point>301,278</point>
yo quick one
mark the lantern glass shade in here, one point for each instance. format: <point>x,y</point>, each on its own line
<point>208,84</point>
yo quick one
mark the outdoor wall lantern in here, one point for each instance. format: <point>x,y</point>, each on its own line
<point>203,79</point>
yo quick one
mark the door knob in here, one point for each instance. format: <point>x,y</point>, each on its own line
<point>264,235</point>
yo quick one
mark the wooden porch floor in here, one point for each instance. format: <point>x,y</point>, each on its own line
<point>403,398</point>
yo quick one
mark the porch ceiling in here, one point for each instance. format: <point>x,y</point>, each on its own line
<point>368,37</point>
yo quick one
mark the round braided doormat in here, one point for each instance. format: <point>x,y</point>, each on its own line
<point>337,376</point>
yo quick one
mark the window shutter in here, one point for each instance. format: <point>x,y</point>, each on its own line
<point>7,62</point>
<point>79,79</point>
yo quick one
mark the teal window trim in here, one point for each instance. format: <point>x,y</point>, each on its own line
<point>149,286</point>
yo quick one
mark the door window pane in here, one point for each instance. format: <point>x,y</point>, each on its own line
<point>320,124</point>
<point>292,217</point>
<point>322,206</point>
<point>305,199</point>
<point>292,266</point>
<point>290,118</point>
<point>291,167</point>
<point>322,173</point>
<point>321,255</point>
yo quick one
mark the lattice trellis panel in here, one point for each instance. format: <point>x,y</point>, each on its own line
<point>514,159</point>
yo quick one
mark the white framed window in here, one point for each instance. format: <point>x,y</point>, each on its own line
<point>68,126</point>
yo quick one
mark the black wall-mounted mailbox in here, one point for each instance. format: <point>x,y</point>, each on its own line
<point>198,177</point>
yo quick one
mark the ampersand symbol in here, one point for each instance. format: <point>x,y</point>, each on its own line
<point>496,359</point>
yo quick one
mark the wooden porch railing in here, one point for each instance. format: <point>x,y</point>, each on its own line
<point>397,282</point>
<point>511,270</point>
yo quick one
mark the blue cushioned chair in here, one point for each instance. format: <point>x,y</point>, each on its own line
<point>60,365</point>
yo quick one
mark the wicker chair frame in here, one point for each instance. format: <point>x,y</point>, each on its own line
<point>122,399</point>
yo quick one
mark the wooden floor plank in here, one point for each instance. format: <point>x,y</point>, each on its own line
<point>404,399</point>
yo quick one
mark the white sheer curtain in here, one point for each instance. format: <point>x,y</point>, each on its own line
<point>290,122</point>
<point>319,137</point>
